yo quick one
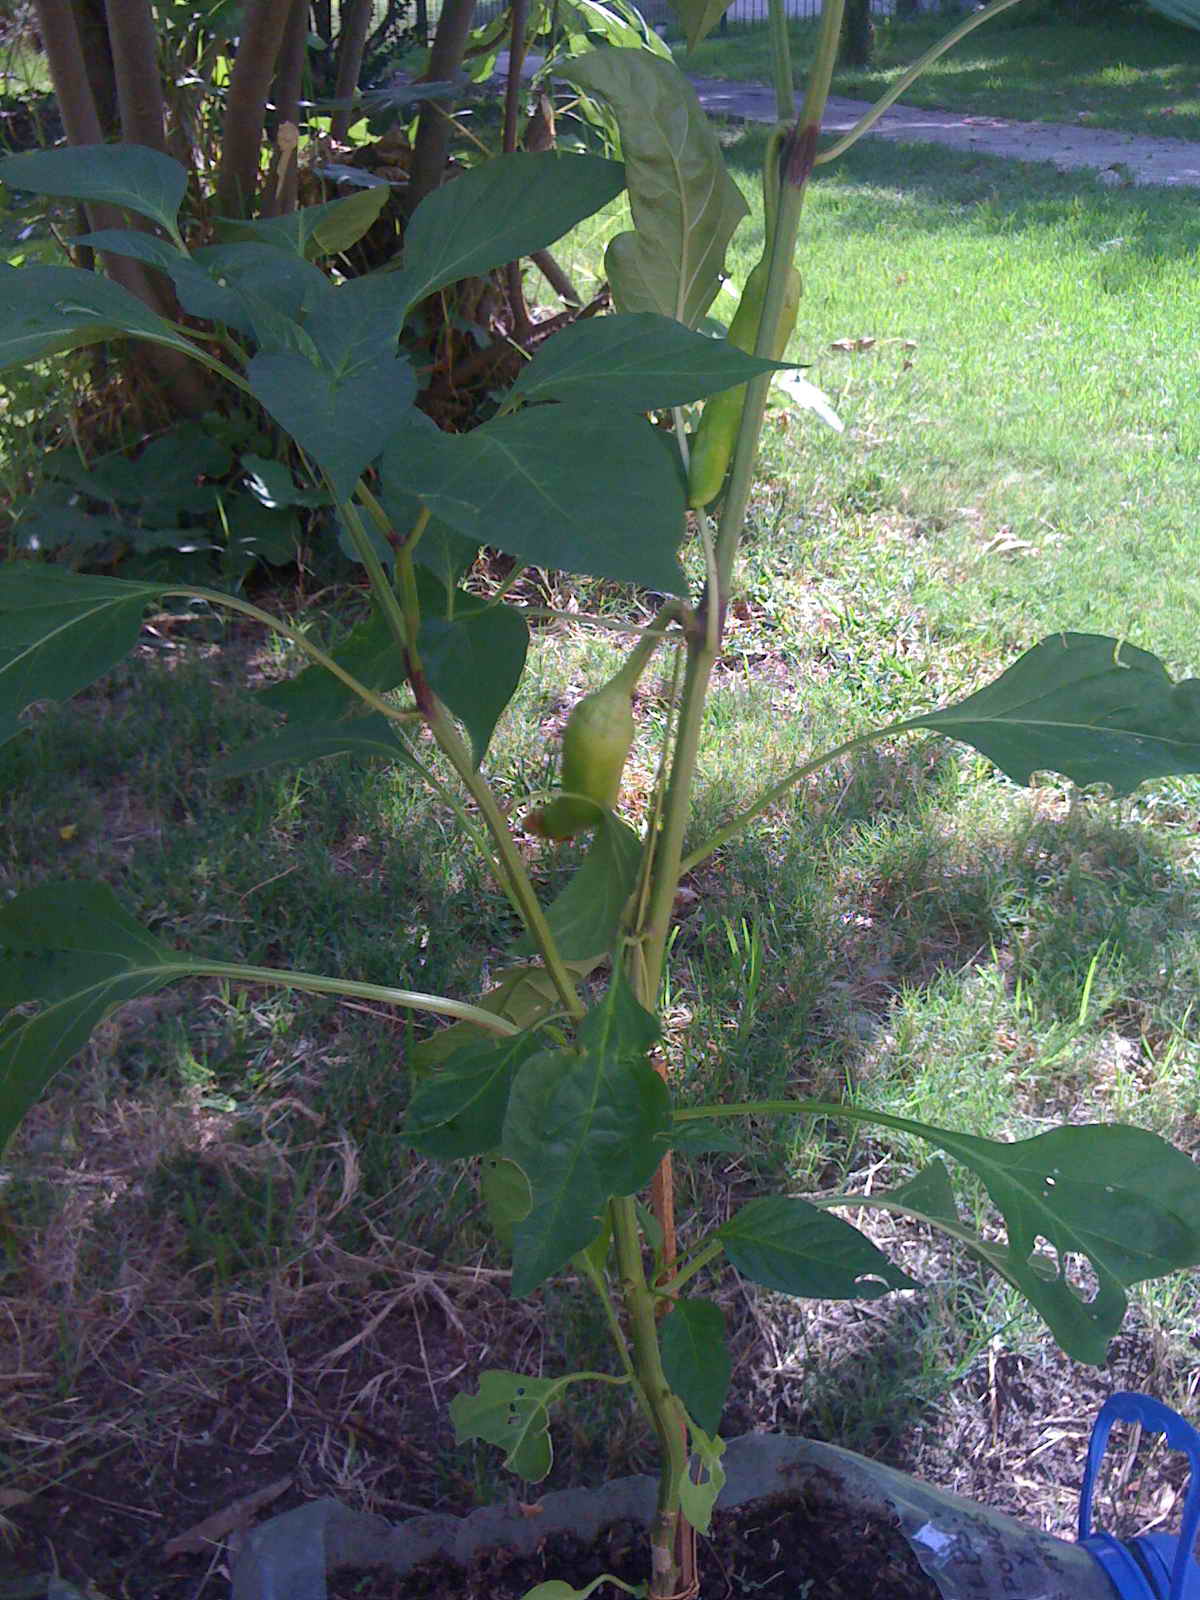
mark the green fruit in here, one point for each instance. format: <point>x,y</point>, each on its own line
<point>596,744</point>
<point>716,437</point>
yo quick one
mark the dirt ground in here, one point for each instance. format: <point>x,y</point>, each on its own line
<point>151,1416</point>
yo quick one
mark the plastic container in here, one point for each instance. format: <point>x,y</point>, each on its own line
<point>1153,1566</point>
<point>968,1551</point>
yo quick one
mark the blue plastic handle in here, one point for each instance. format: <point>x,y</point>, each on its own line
<point>1180,1435</point>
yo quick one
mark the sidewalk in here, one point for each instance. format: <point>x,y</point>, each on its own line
<point>1119,157</point>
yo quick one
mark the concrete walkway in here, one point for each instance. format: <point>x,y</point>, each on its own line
<point>1120,158</point>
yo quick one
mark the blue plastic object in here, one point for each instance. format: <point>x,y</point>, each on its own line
<point>1154,1566</point>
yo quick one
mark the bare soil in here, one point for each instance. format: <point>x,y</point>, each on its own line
<point>779,1550</point>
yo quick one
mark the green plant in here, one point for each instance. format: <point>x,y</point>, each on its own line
<point>554,1077</point>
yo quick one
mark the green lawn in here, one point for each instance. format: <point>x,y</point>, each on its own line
<point>1022,453</point>
<point>1141,76</point>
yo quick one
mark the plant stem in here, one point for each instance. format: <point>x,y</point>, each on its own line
<point>668,1418</point>
<point>870,118</point>
<point>596,1278</point>
<point>781,62</point>
<point>315,983</point>
<point>730,830</point>
<point>233,602</point>
<point>510,867</point>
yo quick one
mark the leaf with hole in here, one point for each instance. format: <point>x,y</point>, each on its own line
<point>785,1243</point>
<point>698,1496</point>
<point>685,205</point>
<point>128,175</point>
<point>512,1412</point>
<point>1093,708</point>
<point>1122,1198</point>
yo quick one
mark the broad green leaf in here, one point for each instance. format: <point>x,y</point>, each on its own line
<point>640,362</point>
<point>499,211</point>
<point>696,1360</point>
<point>685,205</point>
<point>504,1190</point>
<point>699,17</point>
<point>699,1497</point>
<point>255,290</point>
<point>585,917</point>
<point>929,1191</point>
<point>343,420</point>
<point>787,1244</point>
<point>198,290</point>
<point>583,1126</point>
<point>47,310</point>
<point>1121,1197</point>
<point>59,631</point>
<point>1090,707</point>
<point>312,231</point>
<point>129,175</point>
<point>459,1110</point>
<point>72,947</point>
<point>372,735</point>
<point>474,659</point>
<point>565,487</point>
<point>615,25</point>
<point>368,652</point>
<point>512,1412</point>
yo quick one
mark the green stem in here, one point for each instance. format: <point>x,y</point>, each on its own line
<point>953,1230</point>
<point>868,121</point>
<point>810,1108</point>
<point>776,792</point>
<point>314,983</point>
<point>403,616</point>
<point>596,1278</point>
<point>382,588</point>
<point>233,602</point>
<point>781,61</point>
<point>510,867</point>
<point>697,1262</point>
<point>640,1306</point>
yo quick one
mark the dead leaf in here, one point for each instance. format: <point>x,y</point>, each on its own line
<point>213,1530</point>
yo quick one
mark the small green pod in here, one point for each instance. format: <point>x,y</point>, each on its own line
<point>596,744</point>
<point>716,437</point>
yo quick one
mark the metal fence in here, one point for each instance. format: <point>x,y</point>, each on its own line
<point>742,13</point>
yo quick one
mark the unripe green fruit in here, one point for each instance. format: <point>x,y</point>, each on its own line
<point>596,744</point>
<point>716,437</point>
